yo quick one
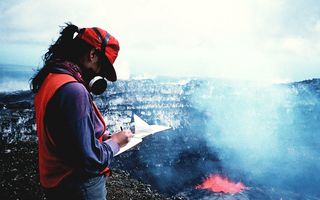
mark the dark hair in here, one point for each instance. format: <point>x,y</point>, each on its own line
<point>65,48</point>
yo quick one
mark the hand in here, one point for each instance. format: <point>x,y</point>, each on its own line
<point>122,137</point>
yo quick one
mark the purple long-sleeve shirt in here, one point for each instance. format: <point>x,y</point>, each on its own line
<point>73,126</point>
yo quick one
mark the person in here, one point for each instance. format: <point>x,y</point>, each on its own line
<point>74,150</point>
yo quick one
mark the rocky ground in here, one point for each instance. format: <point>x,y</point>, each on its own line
<point>19,177</point>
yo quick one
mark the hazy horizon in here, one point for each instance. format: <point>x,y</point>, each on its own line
<point>28,69</point>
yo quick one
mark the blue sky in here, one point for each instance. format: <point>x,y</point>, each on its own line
<point>266,40</point>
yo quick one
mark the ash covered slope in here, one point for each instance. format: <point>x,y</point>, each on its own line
<point>19,177</point>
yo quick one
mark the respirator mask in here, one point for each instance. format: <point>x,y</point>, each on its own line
<point>98,85</point>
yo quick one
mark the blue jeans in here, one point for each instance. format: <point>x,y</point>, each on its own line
<point>87,189</point>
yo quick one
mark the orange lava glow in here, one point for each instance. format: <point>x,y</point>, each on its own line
<point>218,183</point>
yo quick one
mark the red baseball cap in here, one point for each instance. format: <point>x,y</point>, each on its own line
<point>107,44</point>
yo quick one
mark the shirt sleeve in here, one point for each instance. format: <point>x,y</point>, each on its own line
<point>78,143</point>
<point>113,145</point>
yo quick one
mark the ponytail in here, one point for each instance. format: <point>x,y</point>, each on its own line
<point>61,48</point>
<point>65,48</point>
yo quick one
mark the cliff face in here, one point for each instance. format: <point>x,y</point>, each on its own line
<point>161,103</point>
<point>166,102</point>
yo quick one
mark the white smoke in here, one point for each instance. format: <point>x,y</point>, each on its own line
<point>259,130</point>
<point>13,85</point>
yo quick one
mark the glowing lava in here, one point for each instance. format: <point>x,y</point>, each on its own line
<point>217,183</point>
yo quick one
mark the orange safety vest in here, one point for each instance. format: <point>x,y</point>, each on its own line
<point>52,169</point>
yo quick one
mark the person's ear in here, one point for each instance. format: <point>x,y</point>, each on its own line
<point>92,55</point>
